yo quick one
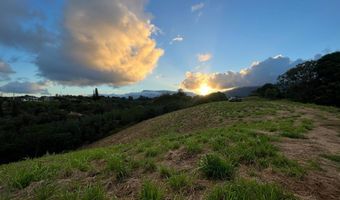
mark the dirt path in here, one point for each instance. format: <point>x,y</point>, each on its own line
<point>323,182</point>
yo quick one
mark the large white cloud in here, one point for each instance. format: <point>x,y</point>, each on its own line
<point>26,87</point>
<point>5,70</point>
<point>101,42</point>
<point>257,74</point>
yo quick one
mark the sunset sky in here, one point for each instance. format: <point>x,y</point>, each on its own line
<point>120,46</point>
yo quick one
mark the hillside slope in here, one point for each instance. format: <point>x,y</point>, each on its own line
<point>255,149</point>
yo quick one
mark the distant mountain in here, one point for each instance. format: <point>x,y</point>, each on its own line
<point>241,91</point>
<point>148,93</point>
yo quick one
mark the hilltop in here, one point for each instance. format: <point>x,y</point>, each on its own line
<point>255,149</point>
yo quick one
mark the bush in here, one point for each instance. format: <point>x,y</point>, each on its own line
<point>216,168</point>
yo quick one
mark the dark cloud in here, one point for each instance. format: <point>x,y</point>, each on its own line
<point>20,26</point>
<point>257,74</point>
<point>25,87</point>
<point>5,70</point>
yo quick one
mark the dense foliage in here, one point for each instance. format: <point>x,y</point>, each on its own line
<point>311,81</point>
<point>31,127</point>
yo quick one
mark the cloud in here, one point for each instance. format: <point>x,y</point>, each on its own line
<point>178,38</point>
<point>204,57</point>
<point>5,70</point>
<point>103,42</point>
<point>197,7</point>
<point>257,74</point>
<point>99,42</point>
<point>20,26</point>
<point>26,87</point>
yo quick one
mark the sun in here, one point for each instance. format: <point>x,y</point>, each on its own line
<point>204,89</point>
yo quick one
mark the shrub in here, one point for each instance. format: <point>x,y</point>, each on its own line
<point>216,168</point>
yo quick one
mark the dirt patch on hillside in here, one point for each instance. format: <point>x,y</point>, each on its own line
<point>321,183</point>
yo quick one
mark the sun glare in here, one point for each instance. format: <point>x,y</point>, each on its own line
<point>204,89</point>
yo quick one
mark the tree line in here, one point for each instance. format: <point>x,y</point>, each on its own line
<point>34,128</point>
<point>315,81</point>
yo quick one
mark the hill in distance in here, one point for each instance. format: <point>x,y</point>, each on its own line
<point>255,149</point>
<point>239,92</point>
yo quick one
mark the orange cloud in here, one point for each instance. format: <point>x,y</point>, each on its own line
<point>257,74</point>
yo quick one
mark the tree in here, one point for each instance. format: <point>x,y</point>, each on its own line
<point>269,90</point>
<point>95,94</point>
<point>313,81</point>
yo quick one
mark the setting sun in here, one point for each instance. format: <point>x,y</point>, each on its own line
<point>204,89</point>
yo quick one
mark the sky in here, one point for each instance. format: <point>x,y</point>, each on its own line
<point>50,47</point>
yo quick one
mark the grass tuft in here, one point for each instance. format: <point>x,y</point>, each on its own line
<point>152,152</point>
<point>150,191</point>
<point>215,167</point>
<point>166,172</point>
<point>193,147</point>
<point>332,157</point>
<point>179,181</point>
<point>248,190</point>
<point>119,166</point>
<point>94,192</point>
<point>44,192</point>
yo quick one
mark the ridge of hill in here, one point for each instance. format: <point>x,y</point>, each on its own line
<point>255,149</point>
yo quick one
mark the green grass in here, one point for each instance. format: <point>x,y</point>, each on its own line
<point>289,167</point>
<point>151,191</point>
<point>152,152</point>
<point>246,139</point>
<point>293,135</point>
<point>149,165</point>
<point>248,190</point>
<point>179,181</point>
<point>119,166</point>
<point>22,177</point>
<point>166,172</point>
<point>44,192</point>
<point>94,192</point>
<point>332,157</point>
<point>193,147</point>
<point>215,167</point>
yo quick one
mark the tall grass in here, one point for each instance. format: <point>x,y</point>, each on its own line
<point>248,190</point>
<point>214,167</point>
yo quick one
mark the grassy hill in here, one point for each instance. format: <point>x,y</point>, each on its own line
<point>256,149</point>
